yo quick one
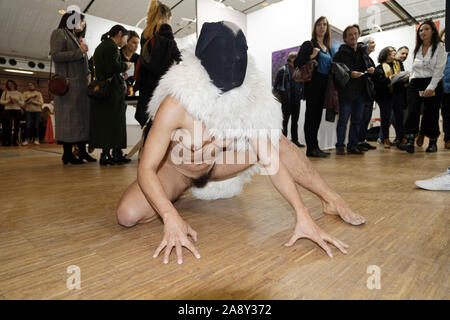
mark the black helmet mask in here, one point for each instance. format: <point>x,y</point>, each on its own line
<point>222,50</point>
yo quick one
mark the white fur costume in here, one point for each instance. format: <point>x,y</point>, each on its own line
<point>248,107</point>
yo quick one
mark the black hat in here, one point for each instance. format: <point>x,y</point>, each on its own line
<point>222,50</point>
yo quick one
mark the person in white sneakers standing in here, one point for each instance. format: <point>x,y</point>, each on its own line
<point>439,183</point>
<point>33,107</point>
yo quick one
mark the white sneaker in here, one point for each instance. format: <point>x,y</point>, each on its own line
<point>25,143</point>
<point>36,142</point>
<point>439,183</point>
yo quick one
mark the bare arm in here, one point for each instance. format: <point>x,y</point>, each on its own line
<point>170,116</point>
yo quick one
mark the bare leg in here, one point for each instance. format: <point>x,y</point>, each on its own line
<point>133,206</point>
<point>305,175</point>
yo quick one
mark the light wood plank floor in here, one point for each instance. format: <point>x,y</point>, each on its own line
<point>54,216</point>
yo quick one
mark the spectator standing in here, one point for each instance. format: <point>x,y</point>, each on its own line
<point>12,99</point>
<point>318,49</point>
<point>72,109</point>
<point>290,92</point>
<point>389,96</point>
<point>128,54</point>
<point>370,44</point>
<point>425,87</point>
<point>355,94</point>
<point>446,101</point>
<point>33,102</point>
<point>108,123</point>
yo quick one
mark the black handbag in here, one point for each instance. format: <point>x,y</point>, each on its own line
<point>98,89</point>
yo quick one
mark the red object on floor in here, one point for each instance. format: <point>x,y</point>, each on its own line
<point>49,137</point>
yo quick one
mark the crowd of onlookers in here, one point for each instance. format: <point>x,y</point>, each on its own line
<point>85,119</point>
<point>345,81</point>
<point>348,82</point>
<point>16,106</point>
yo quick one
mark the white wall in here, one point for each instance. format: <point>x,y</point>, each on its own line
<point>279,26</point>
<point>212,11</point>
<point>340,13</point>
<point>97,26</point>
<point>185,42</point>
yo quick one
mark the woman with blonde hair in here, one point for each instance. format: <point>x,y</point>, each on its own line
<point>158,19</point>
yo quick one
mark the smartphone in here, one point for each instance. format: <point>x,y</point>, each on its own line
<point>421,93</point>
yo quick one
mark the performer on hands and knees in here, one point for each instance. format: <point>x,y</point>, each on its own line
<point>208,110</point>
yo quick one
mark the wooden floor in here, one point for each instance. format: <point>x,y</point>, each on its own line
<point>54,216</point>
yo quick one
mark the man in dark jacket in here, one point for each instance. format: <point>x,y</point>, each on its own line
<point>354,95</point>
<point>291,93</point>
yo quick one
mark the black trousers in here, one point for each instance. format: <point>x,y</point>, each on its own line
<point>291,109</point>
<point>141,108</point>
<point>446,116</point>
<point>430,118</point>
<point>9,117</point>
<point>315,92</point>
<point>395,104</point>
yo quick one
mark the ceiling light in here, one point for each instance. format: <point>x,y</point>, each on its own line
<point>187,19</point>
<point>62,11</point>
<point>19,71</point>
<point>265,4</point>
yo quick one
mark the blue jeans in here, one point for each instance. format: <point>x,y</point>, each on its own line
<point>33,119</point>
<point>355,109</point>
<point>367,116</point>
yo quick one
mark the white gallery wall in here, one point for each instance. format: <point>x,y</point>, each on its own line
<point>213,11</point>
<point>340,13</point>
<point>281,25</point>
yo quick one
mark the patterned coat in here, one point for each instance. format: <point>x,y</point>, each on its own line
<point>72,109</point>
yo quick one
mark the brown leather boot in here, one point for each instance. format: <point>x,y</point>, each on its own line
<point>387,144</point>
<point>447,144</point>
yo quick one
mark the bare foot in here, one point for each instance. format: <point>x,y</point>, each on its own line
<point>340,208</point>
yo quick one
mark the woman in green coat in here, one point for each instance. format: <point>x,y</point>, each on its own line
<point>107,116</point>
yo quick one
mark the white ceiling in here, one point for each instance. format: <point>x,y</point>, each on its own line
<point>416,8</point>
<point>27,24</point>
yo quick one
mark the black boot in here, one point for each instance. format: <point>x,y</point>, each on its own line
<point>105,158</point>
<point>68,156</point>
<point>83,154</point>
<point>432,147</point>
<point>118,157</point>
<point>409,145</point>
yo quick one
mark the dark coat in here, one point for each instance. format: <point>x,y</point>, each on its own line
<point>147,81</point>
<point>348,56</point>
<point>71,109</point>
<point>108,122</point>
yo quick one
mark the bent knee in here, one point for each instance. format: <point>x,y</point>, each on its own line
<point>126,217</point>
